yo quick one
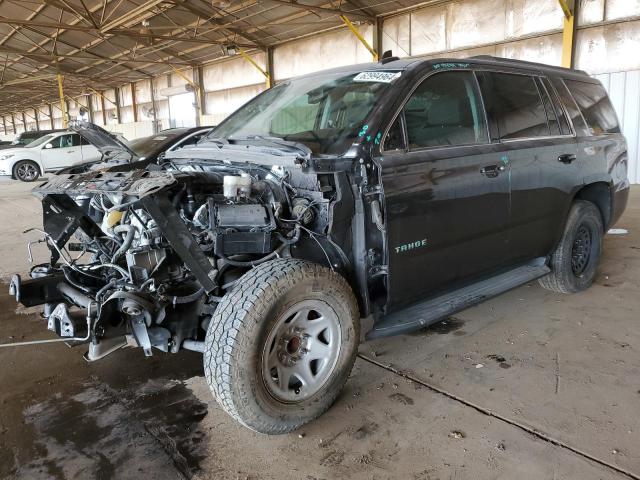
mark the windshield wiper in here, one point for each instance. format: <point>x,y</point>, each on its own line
<point>276,142</point>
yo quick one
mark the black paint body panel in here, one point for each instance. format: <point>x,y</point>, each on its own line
<point>475,226</point>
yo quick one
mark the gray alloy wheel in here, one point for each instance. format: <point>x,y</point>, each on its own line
<point>26,171</point>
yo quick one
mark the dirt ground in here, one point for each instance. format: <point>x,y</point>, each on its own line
<point>530,385</point>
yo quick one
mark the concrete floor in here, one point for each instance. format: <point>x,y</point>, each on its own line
<point>530,385</point>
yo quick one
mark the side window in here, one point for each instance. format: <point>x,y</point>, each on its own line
<point>596,108</point>
<point>65,141</point>
<point>75,140</point>
<point>84,141</point>
<point>572,109</point>
<point>563,121</point>
<point>57,142</point>
<point>515,105</point>
<point>554,126</point>
<point>394,140</point>
<point>445,110</point>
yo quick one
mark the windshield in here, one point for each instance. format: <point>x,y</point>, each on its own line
<point>325,112</point>
<point>40,141</point>
<point>147,146</point>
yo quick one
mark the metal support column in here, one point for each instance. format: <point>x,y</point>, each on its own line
<point>90,108</point>
<point>569,8</point>
<point>198,73</point>
<point>63,105</point>
<point>51,116</point>
<point>156,128</point>
<point>134,103</point>
<point>359,36</point>
<point>104,110</point>
<point>4,125</point>
<point>377,34</point>
<point>13,124</point>
<point>37,117</point>
<point>24,121</point>
<point>117,102</point>
<point>270,67</point>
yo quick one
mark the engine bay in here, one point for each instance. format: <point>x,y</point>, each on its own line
<point>142,257</point>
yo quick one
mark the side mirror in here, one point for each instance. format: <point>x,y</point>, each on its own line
<point>48,145</point>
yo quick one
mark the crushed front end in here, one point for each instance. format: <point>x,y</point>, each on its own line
<point>143,257</point>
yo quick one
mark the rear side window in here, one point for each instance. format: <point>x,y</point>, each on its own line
<point>515,104</point>
<point>445,110</point>
<point>572,109</point>
<point>563,120</point>
<point>596,108</point>
<point>554,126</point>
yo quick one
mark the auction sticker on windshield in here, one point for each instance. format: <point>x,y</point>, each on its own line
<point>384,77</point>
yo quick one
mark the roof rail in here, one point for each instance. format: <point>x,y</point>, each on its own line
<point>524,63</point>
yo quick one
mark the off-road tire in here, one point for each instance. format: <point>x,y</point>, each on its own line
<point>239,329</point>
<point>563,279</point>
<point>26,164</point>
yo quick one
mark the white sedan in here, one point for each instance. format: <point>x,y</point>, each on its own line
<point>49,153</point>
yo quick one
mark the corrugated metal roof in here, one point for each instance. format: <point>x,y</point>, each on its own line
<point>107,43</point>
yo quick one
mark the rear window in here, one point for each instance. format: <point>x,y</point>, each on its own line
<point>596,108</point>
<point>516,106</point>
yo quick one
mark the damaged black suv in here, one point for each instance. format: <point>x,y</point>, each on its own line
<point>398,192</point>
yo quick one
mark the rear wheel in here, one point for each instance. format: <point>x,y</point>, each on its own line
<point>26,171</point>
<point>281,345</point>
<point>575,260</point>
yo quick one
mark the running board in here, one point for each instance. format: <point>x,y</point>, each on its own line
<point>423,314</point>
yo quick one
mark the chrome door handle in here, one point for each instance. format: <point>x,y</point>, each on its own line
<point>492,171</point>
<point>567,158</point>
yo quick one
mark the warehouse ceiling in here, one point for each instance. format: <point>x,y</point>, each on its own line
<point>99,44</point>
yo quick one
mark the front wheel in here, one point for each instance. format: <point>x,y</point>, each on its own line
<point>26,171</point>
<point>575,260</point>
<point>281,345</point>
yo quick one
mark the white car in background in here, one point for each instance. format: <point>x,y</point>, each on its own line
<point>49,153</point>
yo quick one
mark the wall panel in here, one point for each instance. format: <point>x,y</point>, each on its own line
<point>624,90</point>
<point>320,52</point>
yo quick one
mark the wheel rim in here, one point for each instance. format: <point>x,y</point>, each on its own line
<point>26,171</point>
<point>301,351</point>
<point>581,251</point>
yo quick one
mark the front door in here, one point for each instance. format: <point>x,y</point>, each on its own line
<point>65,151</point>
<point>446,190</point>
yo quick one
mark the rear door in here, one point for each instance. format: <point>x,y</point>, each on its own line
<point>602,148</point>
<point>446,190</point>
<point>65,150</point>
<point>89,152</point>
<point>541,150</point>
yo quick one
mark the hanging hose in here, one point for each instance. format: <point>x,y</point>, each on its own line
<point>187,298</point>
<point>253,263</point>
<point>129,231</point>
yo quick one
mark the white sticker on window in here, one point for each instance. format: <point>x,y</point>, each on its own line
<point>383,77</point>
